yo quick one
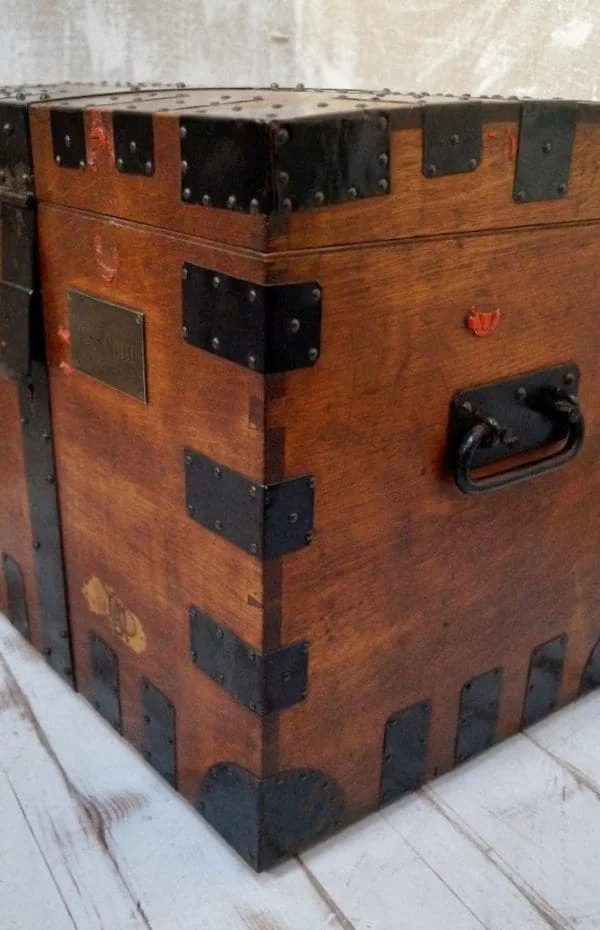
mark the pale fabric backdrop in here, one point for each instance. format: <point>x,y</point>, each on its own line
<point>536,47</point>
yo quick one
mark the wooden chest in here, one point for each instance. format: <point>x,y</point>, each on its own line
<point>319,367</point>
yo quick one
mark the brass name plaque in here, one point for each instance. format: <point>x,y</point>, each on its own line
<point>107,343</point>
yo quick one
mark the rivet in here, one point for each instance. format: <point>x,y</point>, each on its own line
<point>182,132</point>
<point>319,198</point>
<point>148,167</point>
<point>454,138</point>
<point>520,394</point>
<point>251,655</point>
<point>139,318</point>
<point>218,525</point>
<point>286,676</point>
<point>303,693</point>
<point>562,189</point>
<point>252,705</point>
<point>257,97</point>
<point>294,326</point>
<point>569,378</point>
<point>282,136</point>
<point>184,273</point>
<point>252,361</point>
<point>81,163</point>
<point>253,491</point>
<point>252,295</point>
<point>220,678</point>
<point>120,164</point>
<point>352,193</point>
<point>187,193</point>
<point>47,651</point>
<point>383,160</point>
<point>382,122</point>
<point>68,141</point>
<point>547,147</point>
<point>216,281</point>
<point>7,129</point>
<point>191,508</point>
<point>50,479</point>
<point>430,170</point>
<point>46,435</point>
<point>58,160</point>
<point>215,343</point>
<point>185,332</point>
<point>316,295</point>
<point>254,548</point>
<point>133,147</point>
<point>194,654</point>
<point>63,634</point>
<point>472,164</point>
<point>313,354</point>
<point>322,104</point>
<point>231,201</point>
<point>188,460</point>
<point>254,206</point>
<point>283,177</point>
<point>520,195</point>
<point>219,633</point>
<point>309,536</point>
<point>382,185</point>
<point>217,472</point>
<point>293,518</point>
<point>146,718</point>
<point>36,544</point>
<point>312,482</point>
<point>287,205</point>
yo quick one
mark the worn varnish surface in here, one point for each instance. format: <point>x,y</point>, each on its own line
<point>414,587</point>
<point>121,481</point>
<point>415,206</point>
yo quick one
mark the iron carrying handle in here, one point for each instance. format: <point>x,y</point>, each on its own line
<point>560,406</point>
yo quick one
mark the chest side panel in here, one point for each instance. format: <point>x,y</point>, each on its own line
<point>129,396</point>
<point>417,590</point>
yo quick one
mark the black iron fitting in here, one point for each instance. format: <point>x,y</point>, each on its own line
<point>267,521</point>
<point>68,137</point>
<point>264,683</point>
<point>267,819</point>
<point>277,168</point>
<point>546,139</point>
<point>15,151</point>
<point>134,142</point>
<point>267,328</point>
<point>451,137</point>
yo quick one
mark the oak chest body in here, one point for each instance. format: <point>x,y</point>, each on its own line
<point>320,365</point>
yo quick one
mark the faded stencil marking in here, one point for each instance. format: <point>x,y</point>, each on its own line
<point>102,601</point>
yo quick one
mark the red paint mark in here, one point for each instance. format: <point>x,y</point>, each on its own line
<point>66,368</point>
<point>512,147</point>
<point>107,259</point>
<point>482,323</point>
<point>64,335</point>
<point>100,146</point>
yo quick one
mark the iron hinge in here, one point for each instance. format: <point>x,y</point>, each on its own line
<point>265,683</point>
<point>451,138</point>
<point>282,167</point>
<point>545,148</point>
<point>15,150</point>
<point>267,521</point>
<point>134,143</point>
<point>404,751</point>
<point>68,137</point>
<point>268,819</point>
<point>269,329</point>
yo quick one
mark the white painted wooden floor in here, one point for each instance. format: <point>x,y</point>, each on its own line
<point>91,838</point>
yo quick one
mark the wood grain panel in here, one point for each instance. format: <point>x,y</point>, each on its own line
<point>15,526</point>
<point>411,588</point>
<point>121,480</point>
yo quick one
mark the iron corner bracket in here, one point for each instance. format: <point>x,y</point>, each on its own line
<point>269,819</point>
